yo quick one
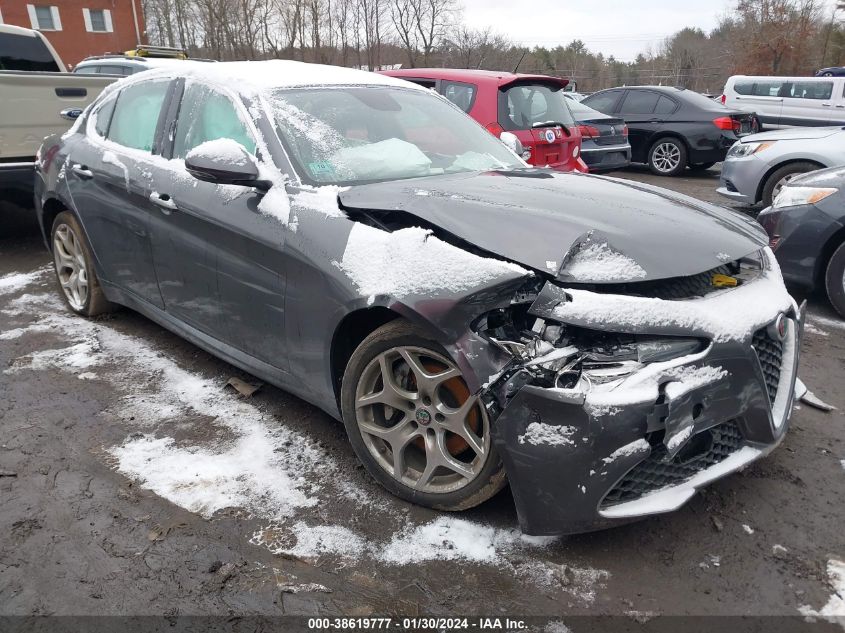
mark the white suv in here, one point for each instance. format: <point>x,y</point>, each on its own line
<point>788,101</point>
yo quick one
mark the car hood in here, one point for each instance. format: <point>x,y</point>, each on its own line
<point>791,134</point>
<point>540,219</point>
<point>831,177</point>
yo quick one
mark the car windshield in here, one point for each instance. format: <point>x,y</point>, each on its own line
<point>368,134</point>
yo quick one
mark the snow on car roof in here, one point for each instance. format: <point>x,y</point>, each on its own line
<point>260,76</point>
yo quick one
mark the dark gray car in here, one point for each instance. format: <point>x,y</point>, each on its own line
<point>806,227</point>
<point>606,348</point>
<point>604,139</point>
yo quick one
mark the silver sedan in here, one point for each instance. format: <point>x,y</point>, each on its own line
<point>759,165</point>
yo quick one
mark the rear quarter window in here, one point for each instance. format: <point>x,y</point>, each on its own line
<point>744,87</point>
<point>22,52</point>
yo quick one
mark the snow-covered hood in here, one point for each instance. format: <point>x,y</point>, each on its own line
<point>792,134</point>
<point>537,217</point>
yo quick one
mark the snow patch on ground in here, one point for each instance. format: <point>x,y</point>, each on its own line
<point>637,446</point>
<point>747,528</point>
<point>834,610</point>
<point>14,282</point>
<point>826,321</point>
<point>578,582</point>
<point>599,262</point>
<point>413,261</point>
<point>538,434</point>
<point>449,538</point>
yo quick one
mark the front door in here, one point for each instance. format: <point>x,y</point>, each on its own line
<point>109,180</point>
<point>218,259</point>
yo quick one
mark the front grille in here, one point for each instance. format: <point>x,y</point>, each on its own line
<point>770,353</point>
<point>654,473</point>
<point>675,288</point>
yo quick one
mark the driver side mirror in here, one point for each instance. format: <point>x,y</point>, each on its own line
<point>513,144</point>
<point>224,162</point>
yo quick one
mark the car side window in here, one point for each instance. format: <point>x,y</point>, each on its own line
<point>770,88</point>
<point>87,70</point>
<point>812,90</point>
<point>136,114</point>
<point>744,87</point>
<point>665,105</point>
<point>103,115</point>
<point>207,115</point>
<point>640,102</point>
<point>603,102</point>
<point>459,93</point>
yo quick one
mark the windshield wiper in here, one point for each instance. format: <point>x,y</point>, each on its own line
<point>552,124</point>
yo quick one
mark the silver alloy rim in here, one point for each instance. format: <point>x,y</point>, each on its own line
<point>419,421</point>
<point>782,183</point>
<point>666,157</point>
<point>70,266</point>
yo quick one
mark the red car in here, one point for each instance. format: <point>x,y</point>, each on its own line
<point>529,106</point>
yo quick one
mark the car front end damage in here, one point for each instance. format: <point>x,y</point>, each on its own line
<point>621,400</point>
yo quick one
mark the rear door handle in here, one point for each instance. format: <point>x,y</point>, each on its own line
<point>839,105</point>
<point>164,201</point>
<point>826,105</point>
<point>82,171</point>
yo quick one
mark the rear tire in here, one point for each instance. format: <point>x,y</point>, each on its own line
<point>781,176</point>
<point>446,462</point>
<point>835,280</point>
<point>667,156</point>
<point>73,263</point>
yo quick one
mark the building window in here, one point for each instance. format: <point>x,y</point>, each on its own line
<point>97,20</point>
<point>44,17</point>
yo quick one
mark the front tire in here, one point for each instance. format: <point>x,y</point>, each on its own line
<point>414,424</point>
<point>74,266</point>
<point>780,177</point>
<point>835,280</point>
<point>667,156</point>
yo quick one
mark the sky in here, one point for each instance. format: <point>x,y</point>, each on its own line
<point>622,28</point>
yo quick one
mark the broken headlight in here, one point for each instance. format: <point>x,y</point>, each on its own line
<point>606,364</point>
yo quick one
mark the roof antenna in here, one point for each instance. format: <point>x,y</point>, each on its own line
<point>524,53</point>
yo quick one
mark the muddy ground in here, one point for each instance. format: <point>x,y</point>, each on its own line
<point>92,414</point>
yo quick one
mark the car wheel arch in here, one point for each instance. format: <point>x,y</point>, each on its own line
<point>762,184</point>
<point>50,209</point>
<point>830,246</point>
<point>350,331</point>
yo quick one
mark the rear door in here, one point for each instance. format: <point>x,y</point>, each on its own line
<point>110,175</point>
<point>524,105</point>
<point>640,108</point>
<point>218,259</point>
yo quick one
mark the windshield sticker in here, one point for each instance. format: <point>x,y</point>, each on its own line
<point>321,168</point>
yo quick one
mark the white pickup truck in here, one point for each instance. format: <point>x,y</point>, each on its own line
<point>38,97</point>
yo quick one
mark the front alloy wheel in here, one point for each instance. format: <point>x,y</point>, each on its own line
<point>415,424</point>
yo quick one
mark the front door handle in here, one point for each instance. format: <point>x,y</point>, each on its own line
<point>164,201</point>
<point>826,105</point>
<point>82,171</point>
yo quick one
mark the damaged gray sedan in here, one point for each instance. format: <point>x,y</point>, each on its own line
<point>605,348</point>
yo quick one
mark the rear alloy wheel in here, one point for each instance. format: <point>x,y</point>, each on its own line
<point>781,177</point>
<point>667,157</point>
<point>74,270</point>
<point>835,279</point>
<point>415,425</point>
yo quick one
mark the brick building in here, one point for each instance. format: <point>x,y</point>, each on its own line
<point>79,28</point>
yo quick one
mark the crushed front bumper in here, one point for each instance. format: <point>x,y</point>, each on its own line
<point>613,465</point>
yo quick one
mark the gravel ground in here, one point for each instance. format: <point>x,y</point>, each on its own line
<point>120,450</point>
